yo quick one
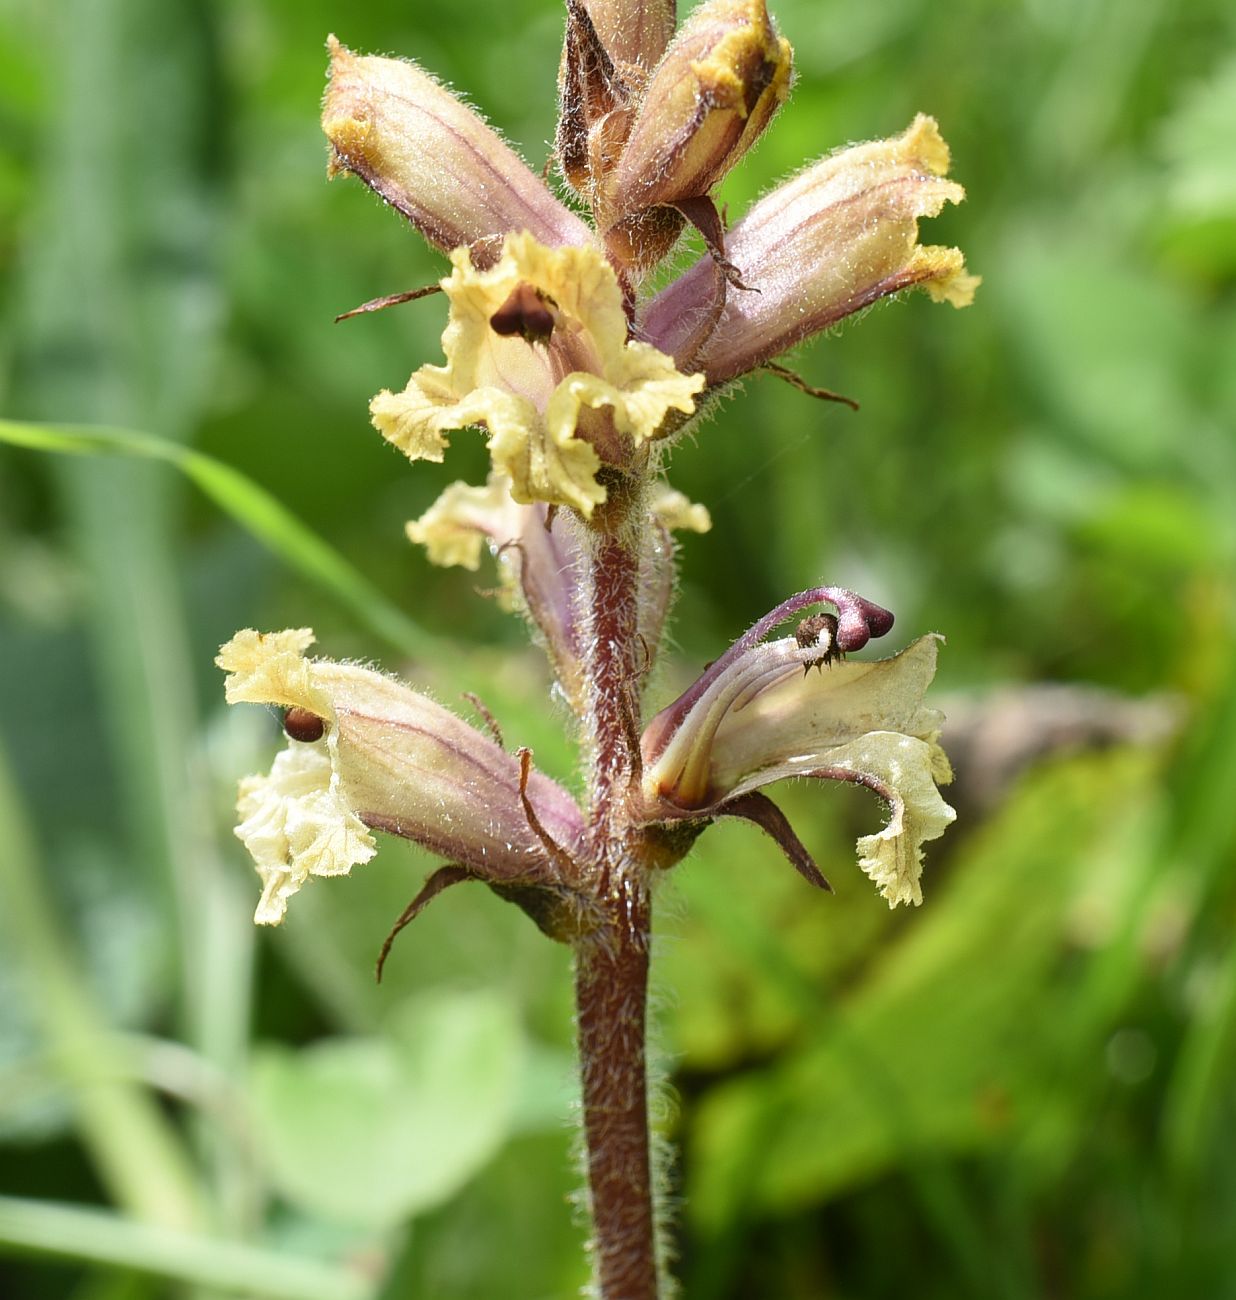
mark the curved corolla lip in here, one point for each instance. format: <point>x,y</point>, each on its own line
<point>760,715</point>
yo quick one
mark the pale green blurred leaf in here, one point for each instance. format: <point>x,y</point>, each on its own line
<point>1199,146</point>
<point>370,1130</point>
<point>1104,343</point>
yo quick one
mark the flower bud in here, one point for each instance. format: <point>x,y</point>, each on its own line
<point>633,32</point>
<point>839,236</point>
<point>435,160</point>
<point>723,77</point>
<point>594,113</point>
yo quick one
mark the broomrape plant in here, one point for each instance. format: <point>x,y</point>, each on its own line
<point>582,384</point>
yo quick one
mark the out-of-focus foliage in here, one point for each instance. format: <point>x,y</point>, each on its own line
<point>1023,1089</point>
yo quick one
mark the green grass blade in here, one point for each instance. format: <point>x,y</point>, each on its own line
<point>96,1236</point>
<point>135,1150</point>
<point>253,508</point>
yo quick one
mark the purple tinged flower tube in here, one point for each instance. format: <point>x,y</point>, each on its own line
<point>385,758</point>
<point>759,714</point>
<point>433,159</point>
<point>723,77</point>
<point>836,238</point>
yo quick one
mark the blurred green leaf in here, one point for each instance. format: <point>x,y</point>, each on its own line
<point>371,1130</point>
<point>1199,146</point>
<point>927,1054</point>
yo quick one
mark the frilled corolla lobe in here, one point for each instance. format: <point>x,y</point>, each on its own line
<point>384,757</point>
<point>434,159</point>
<point>836,238</point>
<point>537,352</point>
<point>794,707</point>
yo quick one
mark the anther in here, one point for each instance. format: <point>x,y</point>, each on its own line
<point>818,630</point>
<point>304,725</point>
<point>526,314</point>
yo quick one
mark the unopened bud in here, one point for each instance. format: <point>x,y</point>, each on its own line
<point>633,32</point>
<point>723,77</point>
<point>435,160</point>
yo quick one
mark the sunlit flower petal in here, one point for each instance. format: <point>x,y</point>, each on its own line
<point>455,528</point>
<point>296,824</point>
<point>533,394</point>
<point>904,771</point>
<point>674,511</point>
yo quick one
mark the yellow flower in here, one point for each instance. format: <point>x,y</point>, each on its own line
<point>560,389</point>
<point>837,237</point>
<point>366,752</point>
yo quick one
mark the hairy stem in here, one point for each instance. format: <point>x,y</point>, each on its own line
<point>612,963</point>
<point>612,673</point>
<point>611,987</point>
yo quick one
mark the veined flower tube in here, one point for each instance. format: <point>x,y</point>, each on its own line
<point>435,160</point>
<point>367,753</point>
<point>836,238</point>
<point>723,77</point>
<point>759,715</point>
<point>537,352</point>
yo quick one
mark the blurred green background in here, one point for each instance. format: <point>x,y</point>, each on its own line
<point>1024,1089</point>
